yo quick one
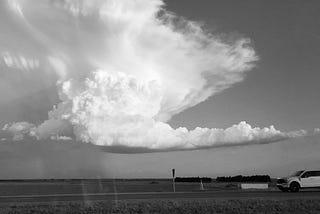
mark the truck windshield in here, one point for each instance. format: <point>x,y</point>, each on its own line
<point>297,173</point>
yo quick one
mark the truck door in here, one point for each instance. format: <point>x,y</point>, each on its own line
<point>309,179</point>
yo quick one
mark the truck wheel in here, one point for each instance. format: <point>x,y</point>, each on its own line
<point>294,187</point>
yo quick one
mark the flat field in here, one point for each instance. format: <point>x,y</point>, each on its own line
<point>88,186</point>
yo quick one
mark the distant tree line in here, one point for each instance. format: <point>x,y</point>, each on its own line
<point>240,178</point>
<point>193,179</point>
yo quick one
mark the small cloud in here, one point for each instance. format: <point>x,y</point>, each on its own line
<point>19,62</point>
<point>298,133</point>
<point>317,130</point>
<point>49,129</point>
<point>19,130</point>
<point>61,138</point>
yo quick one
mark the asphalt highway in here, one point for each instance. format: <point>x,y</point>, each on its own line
<point>162,195</point>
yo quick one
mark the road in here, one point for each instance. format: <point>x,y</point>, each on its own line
<point>162,195</point>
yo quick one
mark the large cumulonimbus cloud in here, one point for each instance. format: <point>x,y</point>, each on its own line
<point>125,67</point>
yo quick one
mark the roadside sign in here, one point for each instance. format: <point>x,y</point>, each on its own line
<point>173,172</point>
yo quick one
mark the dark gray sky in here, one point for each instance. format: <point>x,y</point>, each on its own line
<point>284,87</point>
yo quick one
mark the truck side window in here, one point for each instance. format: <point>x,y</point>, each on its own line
<point>313,174</point>
<point>310,174</point>
<point>306,175</point>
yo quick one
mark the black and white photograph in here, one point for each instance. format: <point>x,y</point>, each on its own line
<point>160,106</point>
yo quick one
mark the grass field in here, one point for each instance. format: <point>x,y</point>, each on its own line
<point>104,186</point>
<point>298,206</point>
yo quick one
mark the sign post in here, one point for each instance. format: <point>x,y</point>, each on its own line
<point>173,181</point>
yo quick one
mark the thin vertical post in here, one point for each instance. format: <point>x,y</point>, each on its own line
<point>173,180</point>
<point>201,185</point>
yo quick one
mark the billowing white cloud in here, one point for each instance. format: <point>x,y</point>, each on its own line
<point>125,67</point>
<point>157,135</point>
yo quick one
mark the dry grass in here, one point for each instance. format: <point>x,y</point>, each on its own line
<point>171,206</point>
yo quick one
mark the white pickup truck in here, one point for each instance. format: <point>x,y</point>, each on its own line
<point>298,180</point>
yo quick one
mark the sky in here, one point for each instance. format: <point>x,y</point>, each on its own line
<point>227,87</point>
<point>283,89</point>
